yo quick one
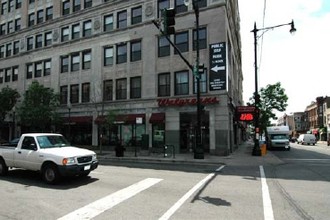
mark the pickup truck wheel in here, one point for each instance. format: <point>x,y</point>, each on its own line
<point>50,174</point>
<point>3,168</point>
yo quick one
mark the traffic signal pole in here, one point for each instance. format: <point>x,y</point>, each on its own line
<point>199,151</point>
<point>168,16</point>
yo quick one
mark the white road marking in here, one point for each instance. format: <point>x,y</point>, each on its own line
<point>267,203</point>
<point>93,209</point>
<point>179,203</point>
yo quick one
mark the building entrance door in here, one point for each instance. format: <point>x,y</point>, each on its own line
<point>188,123</point>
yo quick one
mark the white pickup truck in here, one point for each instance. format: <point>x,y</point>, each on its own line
<point>48,153</point>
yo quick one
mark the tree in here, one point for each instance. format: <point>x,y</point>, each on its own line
<point>8,99</point>
<point>272,98</point>
<point>38,109</point>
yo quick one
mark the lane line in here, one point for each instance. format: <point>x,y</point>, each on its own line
<point>267,203</point>
<point>179,203</point>
<point>93,209</point>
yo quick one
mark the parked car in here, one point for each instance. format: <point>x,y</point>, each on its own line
<point>308,139</point>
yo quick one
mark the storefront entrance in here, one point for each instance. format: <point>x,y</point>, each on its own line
<point>188,124</point>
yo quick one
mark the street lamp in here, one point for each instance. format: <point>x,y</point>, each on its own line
<point>256,149</point>
<point>199,150</point>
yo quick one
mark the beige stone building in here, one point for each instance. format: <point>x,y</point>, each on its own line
<point>108,55</point>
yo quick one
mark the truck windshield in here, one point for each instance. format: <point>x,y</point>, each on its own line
<point>50,141</point>
<point>279,137</point>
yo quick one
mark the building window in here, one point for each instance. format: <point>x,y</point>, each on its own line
<point>2,51</point>
<point>136,15</point>
<point>3,8</point>
<point>66,7</point>
<point>181,83</point>
<point>75,31</point>
<point>180,6</point>
<point>107,90</point>
<point>88,3</point>
<point>162,4</point>
<point>76,5</point>
<point>16,47</point>
<point>31,19</point>
<point>10,5</point>
<point>87,29</point>
<point>15,73</point>
<point>47,67</point>
<point>164,84</point>
<point>7,75</point>
<point>135,51</point>
<point>121,89</point>
<point>135,91</point>
<point>202,3</point>
<point>38,40</point>
<point>202,83</point>
<point>17,24</point>
<point>122,19</point>
<point>75,62</point>
<point>65,34</point>
<point>29,71</point>
<point>10,27</point>
<point>40,16</point>
<point>49,13</point>
<point>38,69</point>
<point>1,76</point>
<point>2,29</point>
<point>18,4</point>
<point>202,39</point>
<point>64,64</point>
<point>31,1</point>
<point>108,56</point>
<point>85,92</point>
<point>64,95</point>
<point>108,23</point>
<point>74,93</point>
<point>87,57</point>
<point>121,53</point>
<point>29,43</point>
<point>48,38</point>
<point>9,48</point>
<point>163,47</point>
<point>181,40</point>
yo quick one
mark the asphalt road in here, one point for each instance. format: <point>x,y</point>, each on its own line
<point>297,188</point>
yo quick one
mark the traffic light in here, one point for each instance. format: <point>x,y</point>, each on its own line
<point>201,69</point>
<point>168,20</point>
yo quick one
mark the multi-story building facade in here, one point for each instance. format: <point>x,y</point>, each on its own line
<point>107,55</point>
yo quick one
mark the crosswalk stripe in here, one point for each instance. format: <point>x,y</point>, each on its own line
<point>180,202</point>
<point>93,209</point>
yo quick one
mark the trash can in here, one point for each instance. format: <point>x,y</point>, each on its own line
<point>119,150</point>
<point>263,149</point>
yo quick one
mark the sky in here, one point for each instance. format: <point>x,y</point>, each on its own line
<point>301,62</point>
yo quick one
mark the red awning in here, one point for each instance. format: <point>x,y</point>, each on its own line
<point>157,118</point>
<point>78,119</point>
<point>122,119</point>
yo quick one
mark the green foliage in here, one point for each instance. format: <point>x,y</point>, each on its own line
<point>38,107</point>
<point>8,99</point>
<point>272,98</point>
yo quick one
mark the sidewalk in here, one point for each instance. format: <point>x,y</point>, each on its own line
<point>241,156</point>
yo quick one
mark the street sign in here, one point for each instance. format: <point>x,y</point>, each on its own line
<point>245,113</point>
<point>218,72</point>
